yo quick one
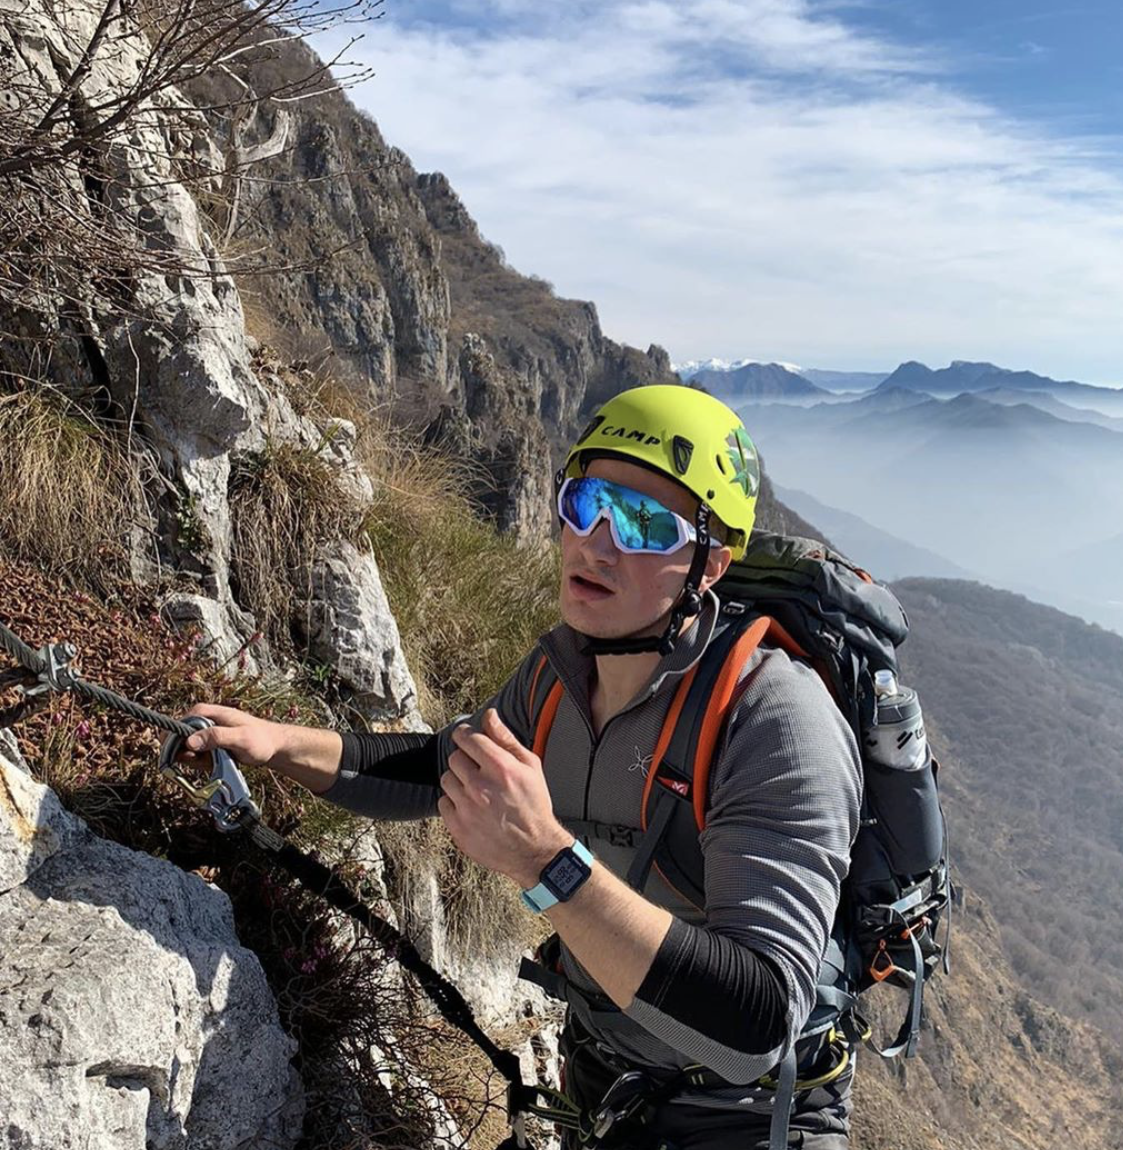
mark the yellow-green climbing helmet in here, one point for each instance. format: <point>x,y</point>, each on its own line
<point>688,435</point>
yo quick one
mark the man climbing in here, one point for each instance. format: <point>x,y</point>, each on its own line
<point>680,1009</point>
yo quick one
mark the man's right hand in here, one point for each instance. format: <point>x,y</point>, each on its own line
<point>308,755</point>
<point>251,741</point>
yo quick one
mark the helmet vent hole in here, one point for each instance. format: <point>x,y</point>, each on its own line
<point>683,449</point>
<point>720,464</point>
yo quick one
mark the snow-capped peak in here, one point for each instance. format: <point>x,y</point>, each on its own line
<point>692,367</point>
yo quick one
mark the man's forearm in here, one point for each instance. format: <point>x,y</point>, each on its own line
<point>613,932</point>
<point>310,756</point>
<point>713,999</point>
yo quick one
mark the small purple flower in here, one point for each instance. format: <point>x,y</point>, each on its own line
<point>82,731</point>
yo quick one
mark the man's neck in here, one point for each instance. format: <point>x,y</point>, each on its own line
<point>619,678</point>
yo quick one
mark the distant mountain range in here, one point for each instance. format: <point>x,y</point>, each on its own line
<point>1026,499</point>
<point>962,376</point>
<point>843,380</point>
<point>691,368</point>
<point>760,382</point>
<point>754,381</point>
<point>1009,397</point>
<point>881,553</point>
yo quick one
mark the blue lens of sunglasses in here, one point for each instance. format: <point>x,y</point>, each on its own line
<point>639,522</point>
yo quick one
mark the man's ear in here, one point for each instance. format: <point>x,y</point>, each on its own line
<point>716,565</point>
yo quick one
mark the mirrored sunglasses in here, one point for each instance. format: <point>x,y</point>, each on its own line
<point>639,523</point>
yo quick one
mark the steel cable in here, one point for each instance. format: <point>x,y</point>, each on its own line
<point>311,873</point>
<point>37,664</point>
<point>21,652</point>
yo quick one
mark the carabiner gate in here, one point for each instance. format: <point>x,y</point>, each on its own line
<point>226,797</point>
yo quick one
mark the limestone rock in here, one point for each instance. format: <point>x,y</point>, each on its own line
<point>351,629</point>
<point>226,632</point>
<point>130,1017</point>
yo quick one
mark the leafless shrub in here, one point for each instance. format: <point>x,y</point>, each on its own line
<point>94,144</point>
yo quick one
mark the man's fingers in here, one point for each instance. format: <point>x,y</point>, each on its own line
<point>499,731</point>
<point>462,765</point>
<point>452,786</point>
<point>477,746</point>
<point>215,738</point>
<point>463,783</point>
<point>222,715</point>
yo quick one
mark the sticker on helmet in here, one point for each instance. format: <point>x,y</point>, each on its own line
<point>746,467</point>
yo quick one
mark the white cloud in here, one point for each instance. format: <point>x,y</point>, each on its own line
<point>753,177</point>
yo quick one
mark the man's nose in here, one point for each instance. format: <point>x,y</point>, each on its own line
<point>599,544</point>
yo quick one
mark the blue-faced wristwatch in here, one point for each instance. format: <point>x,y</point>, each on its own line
<point>561,878</point>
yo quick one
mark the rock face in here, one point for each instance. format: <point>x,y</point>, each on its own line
<point>427,314</point>
<point>130,1017</point>
<point>172,360</point>
<point>350,627</point>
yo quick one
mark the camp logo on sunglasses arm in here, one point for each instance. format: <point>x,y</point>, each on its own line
<point>614,432</point>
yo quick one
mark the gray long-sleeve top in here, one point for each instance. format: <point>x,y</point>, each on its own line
<point>785,792</point>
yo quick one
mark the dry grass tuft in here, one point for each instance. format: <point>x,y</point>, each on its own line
<point>469,602</point>
<point>68,490</point>
<point>483,912</point>
<point>285,505</point>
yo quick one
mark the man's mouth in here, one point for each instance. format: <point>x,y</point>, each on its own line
<point>588,587</point>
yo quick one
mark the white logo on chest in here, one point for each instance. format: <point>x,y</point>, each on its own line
<point>642,763</point>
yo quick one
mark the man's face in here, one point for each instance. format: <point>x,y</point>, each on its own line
<point>607,593</point>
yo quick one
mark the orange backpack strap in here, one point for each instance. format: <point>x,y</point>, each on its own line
<point>670,725</point>
<point>726,691</point>
<point>684,753</point>
<point>542,704</point>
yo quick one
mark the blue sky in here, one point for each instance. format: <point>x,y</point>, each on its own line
<point>832,184</point>
<point>1049,61</point>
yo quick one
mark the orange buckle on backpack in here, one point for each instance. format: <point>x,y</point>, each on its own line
<point>881,973</point>
<point>920,924</point>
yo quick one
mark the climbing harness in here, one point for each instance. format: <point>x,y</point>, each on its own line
<point>226,797</point>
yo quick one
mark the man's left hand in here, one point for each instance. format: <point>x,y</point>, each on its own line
<point>496,804</point>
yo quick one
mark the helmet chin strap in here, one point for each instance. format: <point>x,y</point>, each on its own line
<point>688,603</point>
